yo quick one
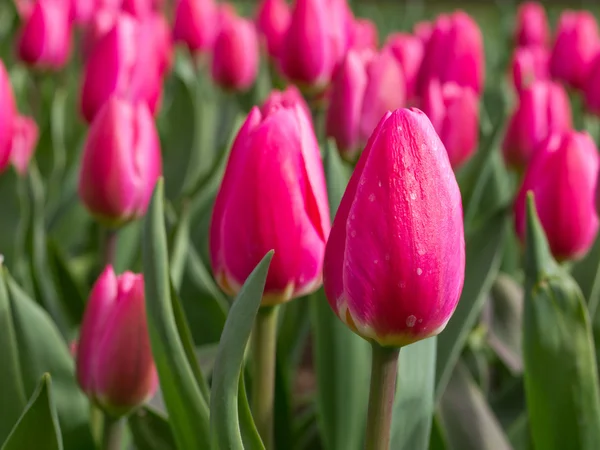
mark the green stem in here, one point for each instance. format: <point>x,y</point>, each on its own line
<point>109,250</point>
<point>113,433</point>
<point>263,380</point>
<point>384,370</point>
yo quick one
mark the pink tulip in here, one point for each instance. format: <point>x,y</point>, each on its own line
<point>138,8</point>
<point>158,29</point>
<point>101,22</point>
<point>454,52</point>
<point>121,162</point>
<point>82,11</point>
<point>341,24</point>
<point>391,274</point>
<point>272,21</point>
<point>125,63</point>
<point>543,108</point>
<point>364,89</point>
<point>114,360</point>
<point>592,88</point>
<point>532,27</point>
<point>45,38</point>
<point>423,31</point>
<point>7,117</point>
<point>575,47</point>
<point>272,196</point>
<point>286,99</point>
<point>196,24</point>
<point>529,64</point>
<point>24,141</point>
<point>364,35</point>
<point>454,113</point>
<point>562,176</point>
<point>235,59</point>
<point>409,51</point>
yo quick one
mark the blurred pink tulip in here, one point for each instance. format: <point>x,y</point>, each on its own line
<point>423,31</point>
<point>532,27</point>
<point>529,64</point>
<point>591,91</point>
<point>575,47</point>
<point>100,23</point>
<point>236,55</point>
<point>543,108</point>
<point>288,98</point>
<point>7,116</point>
<point>24,141</point>
<point>409,51</point>
<point>272,196</point>
<point>272,21</point>
<point>562,176</point>
<point>454,52</point>
<point>364,35</point>
<point>114,360</point>
<point>45,37</point>
<point>157,27</point>
<point>365,87</point>
<point>124,63</point>
<point>138,8</point>
<point>454,113</point>
<point>389,273</point>
<point>121,163</point>
<point>196,24</point>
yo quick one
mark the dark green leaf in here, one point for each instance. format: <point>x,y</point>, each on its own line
<point>150,430</point>
<point>224,422</point>
<point>37,427</point>
<point>187,408</point>
<point>587,274</point>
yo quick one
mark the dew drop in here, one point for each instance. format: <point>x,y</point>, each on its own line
<point>353,233</point>
<point>375,261</point>
<point>401,284</point>
<point>372,197</point>
<point>413,196</point>
<point>362,181</point>
<point>420,320</point>
<point>379,184</point>
<point>387,256</point>
<point>353,216</point>
<point>419,271</point>
<point>410,321</point>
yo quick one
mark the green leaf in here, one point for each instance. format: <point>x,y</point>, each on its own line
<point>561,377</point>
<point>180,245</point>
<point>150,430</point>
<point>225,425</point>
<point>483,256</point>
<point>413,405</point>
<point>41,349</point>
<point>187,408</point>
<point>465,417</point>
<point>37,427</point>
<point>587,274</point>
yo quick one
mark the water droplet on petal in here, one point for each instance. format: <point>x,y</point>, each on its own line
<point>410,321</point>
<point>372,197</point>
<point>419,271</point>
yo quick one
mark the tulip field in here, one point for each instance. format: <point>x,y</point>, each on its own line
<point>299,225</point>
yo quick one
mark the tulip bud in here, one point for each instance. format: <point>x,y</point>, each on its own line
<point>409,51</point>
<point>7,117</point>
<point>529,64</point>
<point>272,196</point>
<point>591,92</point>
<point>307,57</point>
<point>157,27</point>
<point>543,107</point>
<point>532,27</point>
<point>562,176</point>
<point>24,140</point>
<point>114,360</point>
<point>364,35</point>
<point>45,39</point>
<point>100,24</point>
<point>286,99</point>
<point>121,163</point>
<point>454,113</point>
<point>365,87</point>
<point>272,21</point>
<point>138,8</point>
<point>123,63</point>
<point>577,42</point>
<point>423,31</point>
<point>235,58</point>
<point>196,24</point>
<point>454,52</point>
<point>390,273</point>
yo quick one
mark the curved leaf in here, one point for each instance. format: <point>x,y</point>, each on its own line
<point>150,430</point>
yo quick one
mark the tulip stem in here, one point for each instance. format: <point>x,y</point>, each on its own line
<point>110,247</point>
<point>113,433</point>
<point>263,380</point>
<point>384,370</point>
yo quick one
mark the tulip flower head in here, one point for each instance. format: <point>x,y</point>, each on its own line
<point>591,93</point>
<point>7,117</point>
<point>532,29</point>
<point>272,21</point>
<point>562,175</point>
<point>196,24</point>
<point>530,64</point>
<point>24,141</point>
<point>408,50</point>
<point>114,361</point>
<point>395,258</point>
<point>272,196</point>
<point>288,98</point>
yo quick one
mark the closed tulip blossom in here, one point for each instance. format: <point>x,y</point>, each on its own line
<point>365,87</point>
<point>45,37</point>
<point>272,196</point>
<point>24,140</point>
<point>7,117</point>
<point>454,113</point>
<point>532,29</point>
<point>288,98</point>
<point>272,20</point>
<point>196,24</point>
<point>575,47</point>
<point>391,274</point>
<point>562,176</point>
<point>114,361</point>
<point>124,62</point>
<point>408,50</point>
<point>591,93</point>
<point>235,58</point>
<point>529,64</point>
<point>543,108</point>
<point>364,35</point>
<point>121,163</point>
